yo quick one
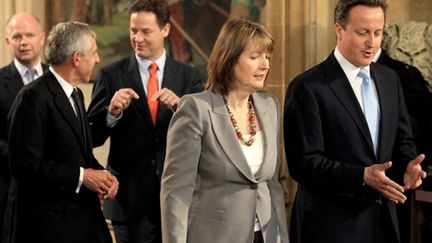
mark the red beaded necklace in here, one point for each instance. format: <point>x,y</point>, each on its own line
<point>252,123</point>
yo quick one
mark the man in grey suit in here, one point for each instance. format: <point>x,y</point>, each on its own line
<point>25,39</point>
<point>135,115</point>
<point>348,138</point>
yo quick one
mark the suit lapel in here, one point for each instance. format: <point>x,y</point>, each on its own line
<point>132,79</point>
<point>341,88</point>
<point>65,107</point>
<point>385,101</point>
<point>171,82</point>
<point>266,119</point>
<point>14,81</point>
<point>225,135</point>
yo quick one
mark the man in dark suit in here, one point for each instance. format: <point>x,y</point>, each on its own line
<point>59,182</point>
<point>419,103</point>
<point>126,108</point>
<point>25,39</point>
<point>348,138</point>
<point>418,99</point>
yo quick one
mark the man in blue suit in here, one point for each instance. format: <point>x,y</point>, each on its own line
<point>348,138</point>
<point>135,115</point>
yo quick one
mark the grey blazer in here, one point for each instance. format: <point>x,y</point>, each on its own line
<point>208,192</point>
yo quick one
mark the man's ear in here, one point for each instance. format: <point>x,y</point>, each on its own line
<point>338,30</point>
<point>166,29</point>
<point>75,59</point>
<point>42,38</point>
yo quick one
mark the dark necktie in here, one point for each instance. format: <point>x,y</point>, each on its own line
<point>370,106</point>
<point>152,88</point>
<point>80,112</point>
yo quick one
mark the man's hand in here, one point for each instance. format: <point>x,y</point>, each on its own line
<point>121,100</point>
<point>112,191</point>
<point>101,182</point>
<point>167,97</point>
<point>375,177</point>
<point>414,174</point>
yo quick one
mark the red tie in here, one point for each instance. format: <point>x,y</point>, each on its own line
<point>151,90</point>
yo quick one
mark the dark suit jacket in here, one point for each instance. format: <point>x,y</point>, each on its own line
<point>10,84</point>
<point>419,105</point>
<point>46,150</point>
<point>418,100</point>
<point>137,148</point>
<point>328,145</point>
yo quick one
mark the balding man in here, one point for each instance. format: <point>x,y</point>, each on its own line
<point>25,39</point>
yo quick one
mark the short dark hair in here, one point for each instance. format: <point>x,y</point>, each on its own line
<point>233,39</point>
<point>343,7</point>
<point>159,7</point>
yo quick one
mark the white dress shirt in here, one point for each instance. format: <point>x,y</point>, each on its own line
<point>351,72</point>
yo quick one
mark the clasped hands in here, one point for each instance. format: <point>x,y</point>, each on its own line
<point>123,97</point>
<point>102,182</point>
<point>375,177</point>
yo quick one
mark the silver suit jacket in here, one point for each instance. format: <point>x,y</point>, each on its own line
<point>208,192</point>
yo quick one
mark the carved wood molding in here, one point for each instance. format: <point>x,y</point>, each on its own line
<point>411,43</point>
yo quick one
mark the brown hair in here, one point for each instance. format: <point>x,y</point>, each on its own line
<point>159,7</point>
<point>343,8</point>
<point>233,39</point>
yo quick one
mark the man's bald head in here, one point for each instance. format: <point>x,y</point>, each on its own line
<point>25,38</point>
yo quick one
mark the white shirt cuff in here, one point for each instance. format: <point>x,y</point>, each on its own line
<point>80,180</point>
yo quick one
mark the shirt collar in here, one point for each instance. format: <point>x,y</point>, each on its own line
<point>349,69</point>
<point>23,69</point>
<point>377,55</point>
<point>144,64</point>
<point>67,87</point>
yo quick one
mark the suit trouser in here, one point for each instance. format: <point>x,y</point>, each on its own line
<point>386,232</point>
<point>4,189</point>
<point>143,231</point>
<point>258,237</point>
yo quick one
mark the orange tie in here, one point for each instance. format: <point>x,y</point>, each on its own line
<point>152,88</point>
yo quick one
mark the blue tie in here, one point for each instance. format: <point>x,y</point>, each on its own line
<point>370,107</point>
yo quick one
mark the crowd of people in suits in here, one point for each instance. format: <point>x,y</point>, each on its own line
<point>194,161</point>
